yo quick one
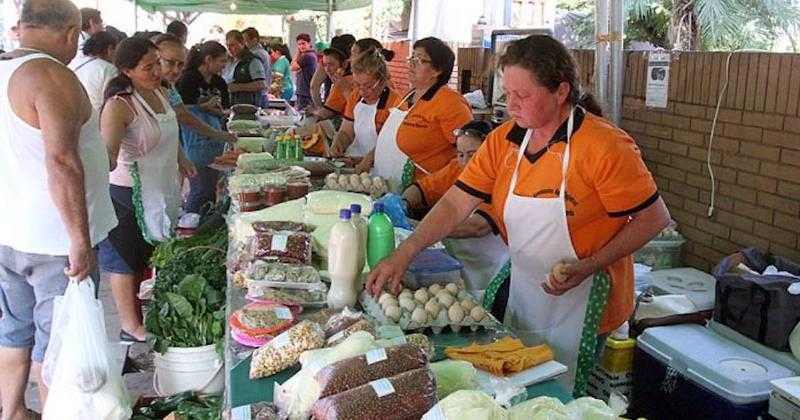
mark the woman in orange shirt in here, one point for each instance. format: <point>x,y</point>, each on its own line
<point>476,242</point>
<point>366,110</point>
<point>417,138</point>
<point>569,188</point>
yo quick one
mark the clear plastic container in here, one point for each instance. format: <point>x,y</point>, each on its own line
<point>661,254</point>
<point>432,266</point>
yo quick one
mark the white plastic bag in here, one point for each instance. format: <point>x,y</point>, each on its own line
<point>77,368</point>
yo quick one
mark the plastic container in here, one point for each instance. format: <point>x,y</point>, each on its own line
<point>661,253</point>
<point>618,355</point>
<point>380,236</point>
<point>274,195</point>
<point>343,258</point>
<point>197,369</point>
<point>432,266</point>
<point>297,190</point>
<point>688,371</point>
<point>696,285</point>
<point>784,401</point>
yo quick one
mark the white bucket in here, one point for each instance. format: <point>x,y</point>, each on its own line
<point>197,369</point>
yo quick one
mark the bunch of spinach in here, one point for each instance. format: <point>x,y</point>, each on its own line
<point>187,405</point>
<point>202,254</point>
<point>191,313</point>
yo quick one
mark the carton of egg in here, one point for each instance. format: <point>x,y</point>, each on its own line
<point>435,307</point>
<point>363,183</point>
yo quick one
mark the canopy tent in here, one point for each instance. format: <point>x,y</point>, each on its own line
<point>243,7</point>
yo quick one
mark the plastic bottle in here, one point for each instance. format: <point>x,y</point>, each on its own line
<point>280,147</point>
<point>343,262</point>
<point>300,153</point>
<point>361,225</point>
<point>290,149</point>
<point>380,236</point>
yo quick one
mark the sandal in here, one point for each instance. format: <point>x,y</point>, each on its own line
<point>126,338</point>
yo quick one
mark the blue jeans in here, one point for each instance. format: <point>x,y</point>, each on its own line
<point>202,190</point>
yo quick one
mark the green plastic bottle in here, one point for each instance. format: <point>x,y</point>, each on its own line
<point>380,236</point>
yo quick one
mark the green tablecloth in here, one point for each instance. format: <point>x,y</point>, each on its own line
<point>242,390</point>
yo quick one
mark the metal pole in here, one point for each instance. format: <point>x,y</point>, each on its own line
<point>414,24</point>
<point>330,17</point>
<point>601,58</point>
<point>135,15</point>
<point>617,66</point>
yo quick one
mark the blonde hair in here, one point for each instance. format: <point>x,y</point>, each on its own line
<point>371,62</point>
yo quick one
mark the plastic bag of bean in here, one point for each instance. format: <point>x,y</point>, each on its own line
<point>281,226</point>
<point>285,349</point>
<point>341,321</point>
<point>407,396</point>
<point>375,364</point>
<point>282,246</point>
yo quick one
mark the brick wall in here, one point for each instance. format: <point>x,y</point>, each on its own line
<point>398,67</point>
<point>755,153</point>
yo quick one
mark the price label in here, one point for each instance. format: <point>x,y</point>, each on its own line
<point>399,341</point>
<point>279,242</point>
<point>336,337</point>
<point>382,387</point>
<point>242,412</point>
<point>375,356</point>
<point>281,341</point>
<point>283,312</point>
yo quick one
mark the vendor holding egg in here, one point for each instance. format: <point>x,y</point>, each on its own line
<point>366,110</point>
<point>568,186</point>
<point>476,242</point>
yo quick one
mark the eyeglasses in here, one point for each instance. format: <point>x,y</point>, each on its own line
<point>469,132</point>
<point>416,60</point>
<point>172,63</point>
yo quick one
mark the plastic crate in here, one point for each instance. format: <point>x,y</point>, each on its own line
<point>432,266</point>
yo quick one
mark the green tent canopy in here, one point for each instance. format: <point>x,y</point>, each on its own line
<point>244,7</point>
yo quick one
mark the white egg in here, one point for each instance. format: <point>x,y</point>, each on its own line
<point>407,304</point>
<point>452,288</point>
<point>421,296</point>
<point>406,293</point>
<point>419,316</point>
<point>377,179</point>
<point>477,313</point>
<point>331,178</point>
<point>366,183</point>
<point>455,313</point>
<point>391,301</point>
<point>434,289</point>
<point>432,307</point>
<point>392,312</point>
<point>384,296</point>
<point>365,175</point>
<point>355,179</point>
<point>446,299</point>
<point>468,304</point>
<point>344,179</point>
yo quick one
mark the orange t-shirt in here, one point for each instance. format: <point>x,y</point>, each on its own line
<point>337,99</point>
<point>388,99</point>
<point>426,134</point>
<point>607,181</point>
<point>434,186</point>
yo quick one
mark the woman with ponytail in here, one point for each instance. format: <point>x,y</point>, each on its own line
<point>369,44</point>
<point>94,68</point>
<point>205,95</point>
<point>140,130</point>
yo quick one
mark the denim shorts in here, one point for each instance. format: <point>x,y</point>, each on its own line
<point>29,283</point>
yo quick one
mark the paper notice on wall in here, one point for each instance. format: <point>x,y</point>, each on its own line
<point>657,80</point>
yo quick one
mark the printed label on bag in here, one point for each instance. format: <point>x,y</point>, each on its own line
<point>382,387</point>
<point>283,313</point>
<point>375,356</point>
<point>242,412</point>
<point>399,341</point>
<point>279,242</point>
<point>281,341</point>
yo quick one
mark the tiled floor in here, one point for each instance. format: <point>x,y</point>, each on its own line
<point>138,383</point>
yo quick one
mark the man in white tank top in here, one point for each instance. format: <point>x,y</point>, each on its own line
<point>53,189</point>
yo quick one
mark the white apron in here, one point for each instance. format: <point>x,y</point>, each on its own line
<point>366,134</point>
<point>157,184</point>
<point>482,257</point>
<point>389,160</point>
<point>538,238</point>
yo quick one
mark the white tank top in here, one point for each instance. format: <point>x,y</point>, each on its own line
<point>29,220</point>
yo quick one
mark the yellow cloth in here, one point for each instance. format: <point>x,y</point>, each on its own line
<point>503,357</point>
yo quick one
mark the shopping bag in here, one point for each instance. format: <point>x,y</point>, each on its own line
<point>83,383</point>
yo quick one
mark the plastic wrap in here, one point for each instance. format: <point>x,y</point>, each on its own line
<point>467,405</point>
<point>341,321</point>
<point>420,340</point>
<point>452,376</point>
<point>272,226</point>
<point>259,319</point>
<point>281,273</point>
<point>291,297</point>
<point>284,350</point>
<point>379,363</point>
<point>360,325</point>
<point>295,397</point>
<point>408,395</point>
<point>541,408</point>
<point>282,246</point>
